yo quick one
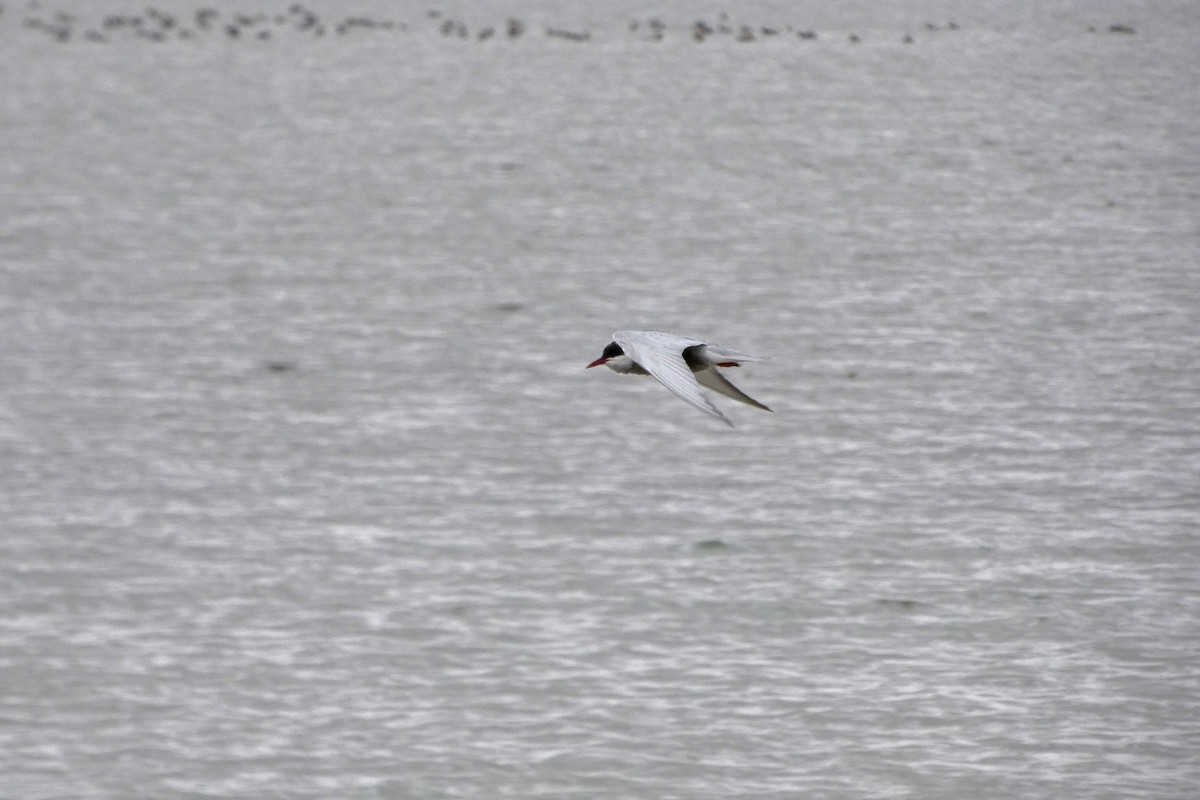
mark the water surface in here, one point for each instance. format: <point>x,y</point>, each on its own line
<point>306,492</point>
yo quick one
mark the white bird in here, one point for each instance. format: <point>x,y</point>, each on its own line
<point>680,363</point>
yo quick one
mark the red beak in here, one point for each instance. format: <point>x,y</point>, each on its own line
<point>596,363</point>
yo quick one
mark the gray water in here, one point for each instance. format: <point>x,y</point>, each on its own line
<point>305,492</point>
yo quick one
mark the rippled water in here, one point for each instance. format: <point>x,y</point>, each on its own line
<point>305,492</point>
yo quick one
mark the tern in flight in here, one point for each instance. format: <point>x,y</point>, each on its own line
<point>680,363</point>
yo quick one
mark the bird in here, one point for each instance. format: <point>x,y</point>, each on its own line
<point>680,363</point>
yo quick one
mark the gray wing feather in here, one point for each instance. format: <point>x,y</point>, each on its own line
<point>714,380</point>
<point>661,354</point>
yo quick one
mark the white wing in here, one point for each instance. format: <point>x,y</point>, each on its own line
<point>716,353</point>
<point>661,354</point>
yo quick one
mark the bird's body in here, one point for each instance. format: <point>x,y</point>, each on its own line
<point>680,363</point>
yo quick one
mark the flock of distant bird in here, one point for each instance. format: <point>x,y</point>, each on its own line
<point>159,25</point>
